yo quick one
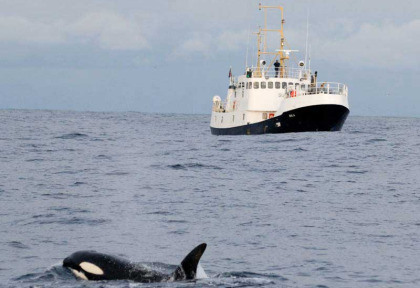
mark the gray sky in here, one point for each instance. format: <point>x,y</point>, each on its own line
<point>174,55</point>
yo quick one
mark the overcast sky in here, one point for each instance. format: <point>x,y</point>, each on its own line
<point>174,55</point>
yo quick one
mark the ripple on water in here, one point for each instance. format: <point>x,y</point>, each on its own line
<point>52,276</point>
<point>35,160</point>
<point>17,244</point>
<point>103,157</point>
<point>69,210</point>
<point>58,195</point>
<point>72,136</point>
<point>117,173</point>
<point>176,221</point>
<point>178,232</point>
<point>63,196</point>
<point>164,213</point>
<point>246,279</point>
<point>193,166</point>
<point>299,149</point>
<point>76,184</point>
<point>357,171</point>
<point>374,140</point>
<point>51,220</point>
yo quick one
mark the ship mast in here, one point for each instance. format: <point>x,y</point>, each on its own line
<point>280,53</point>
<point>258,71</point>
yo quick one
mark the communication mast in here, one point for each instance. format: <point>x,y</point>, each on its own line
<point>279,53</point>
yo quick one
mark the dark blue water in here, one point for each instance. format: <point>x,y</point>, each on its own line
<point>291,210</point>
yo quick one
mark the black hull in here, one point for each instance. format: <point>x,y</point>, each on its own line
<point>306,119</point>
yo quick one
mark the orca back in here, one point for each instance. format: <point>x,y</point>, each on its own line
<point>91,265</point>
<point>97,266</point>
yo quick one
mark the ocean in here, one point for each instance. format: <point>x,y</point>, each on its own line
<point>335,209</point>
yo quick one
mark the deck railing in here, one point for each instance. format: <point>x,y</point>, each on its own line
<point>323,88</point>
<point>295,73</point>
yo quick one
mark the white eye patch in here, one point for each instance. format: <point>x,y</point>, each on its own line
<point>91,268</point>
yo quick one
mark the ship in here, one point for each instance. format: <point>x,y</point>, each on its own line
<point>271,96</point>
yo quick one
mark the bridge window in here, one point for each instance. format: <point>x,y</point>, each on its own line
<point>303,87</point>
<point>277,85</point>
<point>297,86</point>
<point>284,85</point>
<point>263,85</point>
<point>256,85</point>
<point>243,116</point>
<point>270,85</point>
<point>264,116</point>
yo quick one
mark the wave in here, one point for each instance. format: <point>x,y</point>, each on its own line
<point>376,140</point>
<point>58,276</point>
<point>165,213</point>
<point>48,278</point>
<point>72,136</point>
<point>192,166</point>
<point>51,219</point>
<point>357,172</point>
<point>35,160</point>
<point>117,173</point>
<point>103,157</point>
<point>17,244</point>
<point>247,279</point>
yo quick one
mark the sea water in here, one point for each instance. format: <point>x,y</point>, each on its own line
<point>290,210</point>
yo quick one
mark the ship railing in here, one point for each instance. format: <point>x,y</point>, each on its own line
<point>319,88</point>
<point>295,73</point>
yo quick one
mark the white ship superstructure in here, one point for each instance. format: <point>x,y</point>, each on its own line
<point>274,98</point>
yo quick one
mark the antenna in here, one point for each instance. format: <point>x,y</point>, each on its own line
<point>310,46</point>
<point>247,51</point>
<point>247,46</point>
<point>307,32</point>
<point>252,57</point>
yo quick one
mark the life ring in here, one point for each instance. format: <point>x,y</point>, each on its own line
<point>292,93</point>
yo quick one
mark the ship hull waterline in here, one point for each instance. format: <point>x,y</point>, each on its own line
<point>307,119</point>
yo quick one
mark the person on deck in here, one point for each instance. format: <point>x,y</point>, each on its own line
<point>277,68</point>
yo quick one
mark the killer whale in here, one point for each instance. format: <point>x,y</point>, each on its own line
<point>91,265</point>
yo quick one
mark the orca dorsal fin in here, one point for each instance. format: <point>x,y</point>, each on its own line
<point>187,270</point>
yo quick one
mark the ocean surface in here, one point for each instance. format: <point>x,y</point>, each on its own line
<point>292,210</point>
